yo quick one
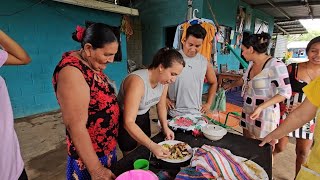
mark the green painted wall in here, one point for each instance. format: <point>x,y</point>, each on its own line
<point>156,15</point>
<point>226,13</point>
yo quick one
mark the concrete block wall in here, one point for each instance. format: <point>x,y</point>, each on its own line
<point>44,30</point>
<point>134,43</point>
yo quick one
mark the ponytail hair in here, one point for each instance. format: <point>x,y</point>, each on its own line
<point>97,34</point>
<point>166,57</point>
<point>259,42</point>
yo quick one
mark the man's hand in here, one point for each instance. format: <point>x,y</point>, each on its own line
<point>168,133</point>
<point>205,108</point>
<point>170,104</point>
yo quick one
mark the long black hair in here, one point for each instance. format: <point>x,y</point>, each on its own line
<point>166,57</point>
<point>97,34</point>
<point>259,42</point>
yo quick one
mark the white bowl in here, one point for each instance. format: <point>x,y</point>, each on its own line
<point>213,132</point>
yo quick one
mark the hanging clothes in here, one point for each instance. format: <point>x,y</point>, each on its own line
<point>206,49</point>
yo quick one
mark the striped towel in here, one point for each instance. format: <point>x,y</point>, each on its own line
<point>218,163</point>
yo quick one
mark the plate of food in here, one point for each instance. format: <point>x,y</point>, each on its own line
<point>180,151</point>
<point>257,169</point>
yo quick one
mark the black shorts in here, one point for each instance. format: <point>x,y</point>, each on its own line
<point>125,141</point>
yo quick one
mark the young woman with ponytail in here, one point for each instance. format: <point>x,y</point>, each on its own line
<point>138,92</point>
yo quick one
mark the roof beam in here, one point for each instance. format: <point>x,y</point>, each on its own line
<point>102,6</point>
<point>296,18</point>
<point>286,22</point>
<point>291,26</point>
<point>281,29</point>
<point>310,13</point>
<point>284,4</point>
<point>279,9</point>
<point>295,29</point>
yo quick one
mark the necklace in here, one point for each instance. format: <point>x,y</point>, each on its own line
<point>308,72</point>
<point>86,60</point>
<point>96,74</point>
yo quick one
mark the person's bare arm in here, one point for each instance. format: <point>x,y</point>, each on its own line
<point>134,90</point>
<point>73,94</point>
<point>212,80</point>
<point>296,119</point>
<point>275,99</point>
<point>16,54</point>
<point>162,113</point>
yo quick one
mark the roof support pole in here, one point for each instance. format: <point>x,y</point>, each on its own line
<point>189,14</point>
<point>284,31</point>
<point>280,10</point>
<point>306,3</point>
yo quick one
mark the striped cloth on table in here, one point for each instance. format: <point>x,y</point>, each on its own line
<point>218,163</point>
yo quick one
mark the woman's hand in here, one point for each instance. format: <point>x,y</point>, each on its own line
<point>168,133</point>
<point>159,151</point>
<point>256,113</point>
<point>102,173</point>
<point>170,104</point>
<point>227,86</point>
<point>293,107</point>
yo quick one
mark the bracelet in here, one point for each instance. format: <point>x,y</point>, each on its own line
<point>149,145</point>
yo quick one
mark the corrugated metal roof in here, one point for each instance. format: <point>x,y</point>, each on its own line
<point>288,12</point>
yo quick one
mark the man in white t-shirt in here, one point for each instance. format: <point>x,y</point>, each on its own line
<point>11,163</point>
<point>185,94</point>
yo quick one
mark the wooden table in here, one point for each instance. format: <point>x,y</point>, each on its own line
<point>229,76</point>
<point>238,145</point>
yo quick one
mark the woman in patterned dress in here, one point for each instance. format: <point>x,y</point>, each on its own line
<point>265,84</point>
<point>300,75</point>
<point>88,103</point>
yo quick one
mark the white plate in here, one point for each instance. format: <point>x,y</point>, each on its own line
<point>173,142</point>
<point>262,173</point>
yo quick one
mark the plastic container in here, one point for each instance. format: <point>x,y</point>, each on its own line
<point>213,132</point>
<point>137,174</point>
<point>141,164</point>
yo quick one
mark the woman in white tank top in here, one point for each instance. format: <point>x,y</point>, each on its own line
<point>138,92</point>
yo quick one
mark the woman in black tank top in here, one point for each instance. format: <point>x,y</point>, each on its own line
<point>300,75</point>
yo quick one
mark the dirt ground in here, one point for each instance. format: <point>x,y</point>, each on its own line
<point>42,142</point>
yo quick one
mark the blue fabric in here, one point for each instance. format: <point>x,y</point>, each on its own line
<point>234,96</point>
<point>190,173</point>
<point>73,167</point>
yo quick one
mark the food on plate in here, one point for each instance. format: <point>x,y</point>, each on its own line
<point>178,151</point>
<point>254,168</point>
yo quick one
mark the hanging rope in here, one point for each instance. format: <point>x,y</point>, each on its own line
<point>126,26</point>
<point>242,62</point>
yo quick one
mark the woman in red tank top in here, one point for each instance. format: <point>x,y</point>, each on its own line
<point>88,103</point>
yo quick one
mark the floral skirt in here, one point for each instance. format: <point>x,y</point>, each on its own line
<point>76,170</point>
